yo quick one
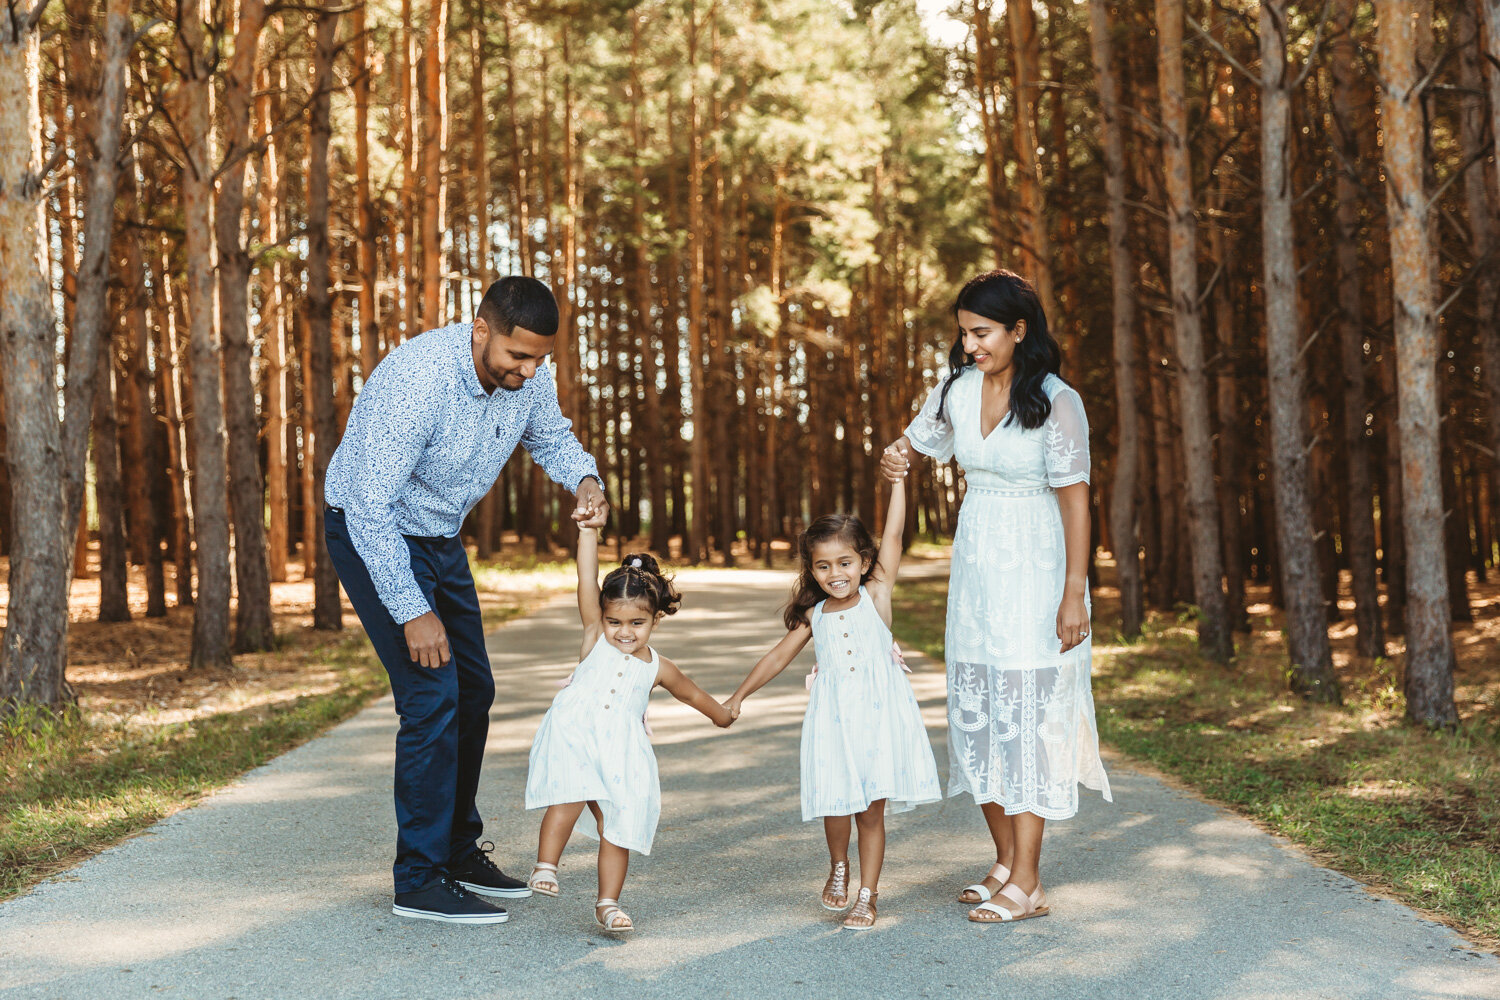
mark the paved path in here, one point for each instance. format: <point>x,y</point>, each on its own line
<point>279,887</point>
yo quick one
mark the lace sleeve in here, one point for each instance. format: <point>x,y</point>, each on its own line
<point>929,433</point>
<point>1067,438</point>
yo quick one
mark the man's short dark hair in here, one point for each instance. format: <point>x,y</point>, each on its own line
<point>517,301</point>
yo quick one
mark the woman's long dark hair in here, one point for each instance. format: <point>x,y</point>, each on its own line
<point>805,592</point>
<point>1007,298</point>
<point>640,578</point>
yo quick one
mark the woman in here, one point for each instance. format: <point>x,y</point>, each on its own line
<point>1021,730</point>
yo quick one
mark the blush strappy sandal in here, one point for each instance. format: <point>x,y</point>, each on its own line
<point>544,879</point>
<point>608,915</point>
<point>1034,905</point>
<point>982,893</point>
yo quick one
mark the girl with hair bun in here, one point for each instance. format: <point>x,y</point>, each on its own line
<point>593,749</point>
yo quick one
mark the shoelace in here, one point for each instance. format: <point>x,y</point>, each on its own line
<point>482,857</point>
<point>454,889</point>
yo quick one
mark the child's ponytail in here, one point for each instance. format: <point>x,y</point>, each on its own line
<point>640,578</point>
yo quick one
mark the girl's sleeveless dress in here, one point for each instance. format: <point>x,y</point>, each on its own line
<point>1021,728</point>
<point>862,738</point>
<point>592,746</point>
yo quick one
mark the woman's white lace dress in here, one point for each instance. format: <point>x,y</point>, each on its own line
<point>1021,729</point>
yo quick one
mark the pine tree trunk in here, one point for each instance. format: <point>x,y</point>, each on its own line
<point>1359,534</point>
<point>1036,246</point>
<point>697,548</point>
<point>1122,513</point>
<point>434,104</point>
<point>367,237</point>
<point>479,137</point>
<point>34,651</point>
<point>1307,617</point>
<point>520,187</point>
<point>253,628</point>
<point>194,115</point>
<point>145,456</point>
<point>170,391</point>
<point>327,606</point>
<point>109,492</point>
<point>639,293</point>
<point>1214,637</point>
<point>274,316</point>
<point>1482,192</point>
<point>989,116</point>
<point>1429,648</point>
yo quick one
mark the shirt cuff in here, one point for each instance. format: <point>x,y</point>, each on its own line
<point>408,607</point>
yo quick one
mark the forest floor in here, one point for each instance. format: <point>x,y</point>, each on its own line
<point>1411,813</point>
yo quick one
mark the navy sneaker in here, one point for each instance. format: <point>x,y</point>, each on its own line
<point>445,900</point>
<point>478,873</point>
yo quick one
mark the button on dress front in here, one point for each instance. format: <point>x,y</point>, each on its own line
<point>592,746</point>
<point>1021,727</point>
<point>862,737</point>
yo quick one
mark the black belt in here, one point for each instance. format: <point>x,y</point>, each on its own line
<point>331,509</point>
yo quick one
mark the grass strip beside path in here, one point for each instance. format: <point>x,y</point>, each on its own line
<point>1411,812</point>
<point>74,784</point>
<point>73,788</point>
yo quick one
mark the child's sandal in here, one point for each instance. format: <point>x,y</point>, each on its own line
<point>544,879</point>
<point>982,893</point>
<point>608,915</point>
<point>836,890</point>
<point>862,911</point>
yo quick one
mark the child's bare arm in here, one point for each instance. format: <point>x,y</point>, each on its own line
<point>889,559</point>
<point>768,666</point>
<point>683,688</point>
<point>588,576</point>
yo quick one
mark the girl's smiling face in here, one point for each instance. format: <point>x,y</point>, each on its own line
<point>988,342</point>
<point>838,567</point>
<point>628,625</point>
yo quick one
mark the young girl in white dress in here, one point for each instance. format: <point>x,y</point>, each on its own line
<point>863,741</point>
<point>592,748</point>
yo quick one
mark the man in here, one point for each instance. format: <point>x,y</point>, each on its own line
<point>427,437</point>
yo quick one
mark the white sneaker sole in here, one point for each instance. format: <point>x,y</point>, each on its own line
<point>522,893</point>
<point>449,918</point>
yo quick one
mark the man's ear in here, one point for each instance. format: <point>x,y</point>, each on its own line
<point>481,330</point>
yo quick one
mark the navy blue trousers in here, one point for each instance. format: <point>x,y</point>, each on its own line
<point>445,712</point>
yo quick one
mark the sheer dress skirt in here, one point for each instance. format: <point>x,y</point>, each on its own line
<point>1021,727</point>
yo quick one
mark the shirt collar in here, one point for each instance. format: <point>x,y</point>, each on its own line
<point>466,365</point>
